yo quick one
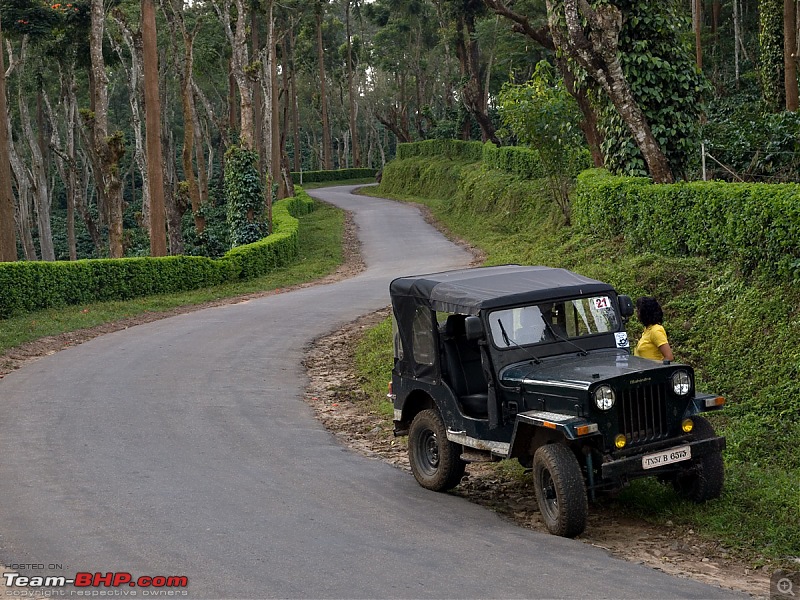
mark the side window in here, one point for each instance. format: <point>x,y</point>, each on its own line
<point>422,337</point>
<point>398,344</point>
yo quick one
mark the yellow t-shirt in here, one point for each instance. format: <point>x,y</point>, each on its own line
<point>648,346</point>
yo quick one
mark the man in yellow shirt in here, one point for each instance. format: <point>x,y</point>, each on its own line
<point>653,343</point>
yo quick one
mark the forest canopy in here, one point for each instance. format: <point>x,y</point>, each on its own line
<point>121,116</point>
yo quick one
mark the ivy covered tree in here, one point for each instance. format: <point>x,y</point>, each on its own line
<point>659,67</point>
<point>243,191</point>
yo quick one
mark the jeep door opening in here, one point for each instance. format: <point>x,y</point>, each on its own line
<point>533,363</point>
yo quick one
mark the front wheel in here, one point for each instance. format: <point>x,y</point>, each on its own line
<point>560,490</point>
<point>704,479</point>
<point>435,461</point>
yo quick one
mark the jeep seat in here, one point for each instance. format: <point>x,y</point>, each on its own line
<point>463,369</point>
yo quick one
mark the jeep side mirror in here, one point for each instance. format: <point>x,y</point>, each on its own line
<point>625,306</point>
<point>473,328</point>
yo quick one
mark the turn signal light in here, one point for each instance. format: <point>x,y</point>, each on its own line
<point>586,429</point>
<point>687,425</point>
<point>713,402</point>
<point>620,441</point>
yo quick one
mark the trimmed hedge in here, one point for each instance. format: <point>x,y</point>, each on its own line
<point>754,225</point>
<point>337,175</point>
<point>451,149</point>
<point>29,286</point>
<point>524,162</point>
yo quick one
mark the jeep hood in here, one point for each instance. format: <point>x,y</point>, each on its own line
<point>576,371</point>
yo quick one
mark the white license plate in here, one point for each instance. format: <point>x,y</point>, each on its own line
<point>666,457</point>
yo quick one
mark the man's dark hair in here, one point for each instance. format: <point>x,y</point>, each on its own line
<point>649,311</point>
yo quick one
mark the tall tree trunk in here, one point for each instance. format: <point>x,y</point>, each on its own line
<point>598,53</point>
<point>276,149</point>
<point>259,101</point>
<point>8,240</point>
<point>295,107</point>
<point>771,65</point>
<point>327,162</point>
<point>352,91</point>
<point>240,66</point>
<point>24,206</point>
<point>38,171</point>
<point>475,99</point>
<point>190,120</point>
<point>106,151</point>
<point>135,74</point>
<point>697,23</point>
<point>65,156</point>
<point>789,57</point>
<point>155,169</point>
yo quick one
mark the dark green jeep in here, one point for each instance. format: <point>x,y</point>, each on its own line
<point>533,363</point>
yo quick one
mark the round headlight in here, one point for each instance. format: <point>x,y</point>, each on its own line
<point>604,397</point>
<point>681,383</point>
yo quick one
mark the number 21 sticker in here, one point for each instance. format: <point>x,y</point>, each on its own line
<point>601,302</point>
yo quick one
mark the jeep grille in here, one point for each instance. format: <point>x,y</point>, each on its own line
<point>643,414</point>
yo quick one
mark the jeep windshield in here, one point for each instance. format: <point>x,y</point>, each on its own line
<point>553,321</point>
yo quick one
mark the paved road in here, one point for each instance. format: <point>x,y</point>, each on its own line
<point>183,447</point>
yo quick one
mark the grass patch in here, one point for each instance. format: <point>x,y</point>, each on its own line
<point>320,254</point>
<point>740,335</point>
<point>374,364</point>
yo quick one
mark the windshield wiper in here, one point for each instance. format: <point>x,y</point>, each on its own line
<point>510,342</point>
<point>563,339</point>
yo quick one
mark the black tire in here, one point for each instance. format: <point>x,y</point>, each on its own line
<point>560,490</point>
<point>704,479</point>
<point>435,461</point>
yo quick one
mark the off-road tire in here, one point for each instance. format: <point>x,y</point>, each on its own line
<point>704,479</point>
<point>560,490</point>
<point>435,461</point>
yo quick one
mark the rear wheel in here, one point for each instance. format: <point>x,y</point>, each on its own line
<point>705,478</point>
<point>435,461</point>
<point>560,490</point>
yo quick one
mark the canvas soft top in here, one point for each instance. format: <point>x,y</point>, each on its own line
<point>468,291</point>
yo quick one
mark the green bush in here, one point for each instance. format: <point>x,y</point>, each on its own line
<point>337,175</point>
<point>29,286</point>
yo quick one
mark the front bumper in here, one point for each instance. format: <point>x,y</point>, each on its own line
<point>631,466</point>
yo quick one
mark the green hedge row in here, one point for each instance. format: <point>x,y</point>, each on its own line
<point>451,149</point>
<point>517,160</point>
<point>755,225</point>
<point>337,175</point>
<point>30,286</point>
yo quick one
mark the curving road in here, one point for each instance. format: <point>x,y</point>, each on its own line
<point>184,447</point>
